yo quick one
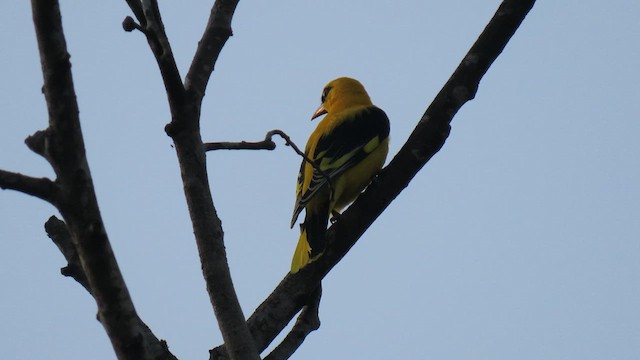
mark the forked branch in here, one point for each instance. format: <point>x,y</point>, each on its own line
<point>308,321</point>
<point>184,103</point>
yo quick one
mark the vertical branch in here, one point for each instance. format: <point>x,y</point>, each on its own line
<point>63,146</point>
<point>210,240</point>
<point>216,34</point>
<point>207,226</point>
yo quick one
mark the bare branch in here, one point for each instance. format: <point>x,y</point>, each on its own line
<point>293,145</point>
<point>295,148</point>
<point>185,132</point>
<point>42,188</point>
<point>57,231</point>
<point>136,8</point>
<point>268,144</point>
<point>268,320</point>
<point>150,24</point>
<point>428,137</point>
<point>37,143</point>
<point>128,24</point>
<point>210,241</point>
<point>215,35</point>
<point>307,321</point>
<point>63,146</point>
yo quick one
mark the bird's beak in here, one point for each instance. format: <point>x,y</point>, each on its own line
<point>320,111</point>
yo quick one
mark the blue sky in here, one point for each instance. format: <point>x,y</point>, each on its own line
<point>520,239</point>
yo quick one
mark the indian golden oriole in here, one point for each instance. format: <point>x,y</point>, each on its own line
<point>349,146</point>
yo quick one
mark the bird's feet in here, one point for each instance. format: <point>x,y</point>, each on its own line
<point>335,216</point>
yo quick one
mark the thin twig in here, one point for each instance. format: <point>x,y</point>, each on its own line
<point>266,144</point>
<point>269,144</point>
<point>295,148</point>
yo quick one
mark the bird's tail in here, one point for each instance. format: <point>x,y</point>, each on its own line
<point>312,236</point>
<point>302,254</point>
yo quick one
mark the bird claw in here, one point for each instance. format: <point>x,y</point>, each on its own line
<point>335,216</point>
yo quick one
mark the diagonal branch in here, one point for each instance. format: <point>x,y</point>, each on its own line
<point>215,35</point>
<point>307,321</point>
<point>136,8</point>
<point>428,137</point>
<point>42,188</point>
<point>148,14</point>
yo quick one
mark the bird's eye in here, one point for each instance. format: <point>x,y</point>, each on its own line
<point>325,92</point>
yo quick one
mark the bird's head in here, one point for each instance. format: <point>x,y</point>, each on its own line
<point>340,94</point>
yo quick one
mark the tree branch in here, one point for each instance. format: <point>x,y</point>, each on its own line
<point>184,129</point>
<point>136,8</point>
<point>427,138</point>
<point>268,144</point>
<point>308,321</point>
<point>215,35</point>
<point>57,231</point>
<point>210,241</point>
<point>42,188</point>
<point>63,146</point>
<point>148,14</point>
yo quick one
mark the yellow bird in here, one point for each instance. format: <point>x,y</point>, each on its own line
<point>349,146</point>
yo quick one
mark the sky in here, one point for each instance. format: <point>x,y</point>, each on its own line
<point>519,240</point>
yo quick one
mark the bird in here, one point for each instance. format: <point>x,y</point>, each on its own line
<point>348,148</point>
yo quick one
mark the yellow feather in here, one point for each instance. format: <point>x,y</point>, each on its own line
<point>345,102</point>
<point>301,255</point>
